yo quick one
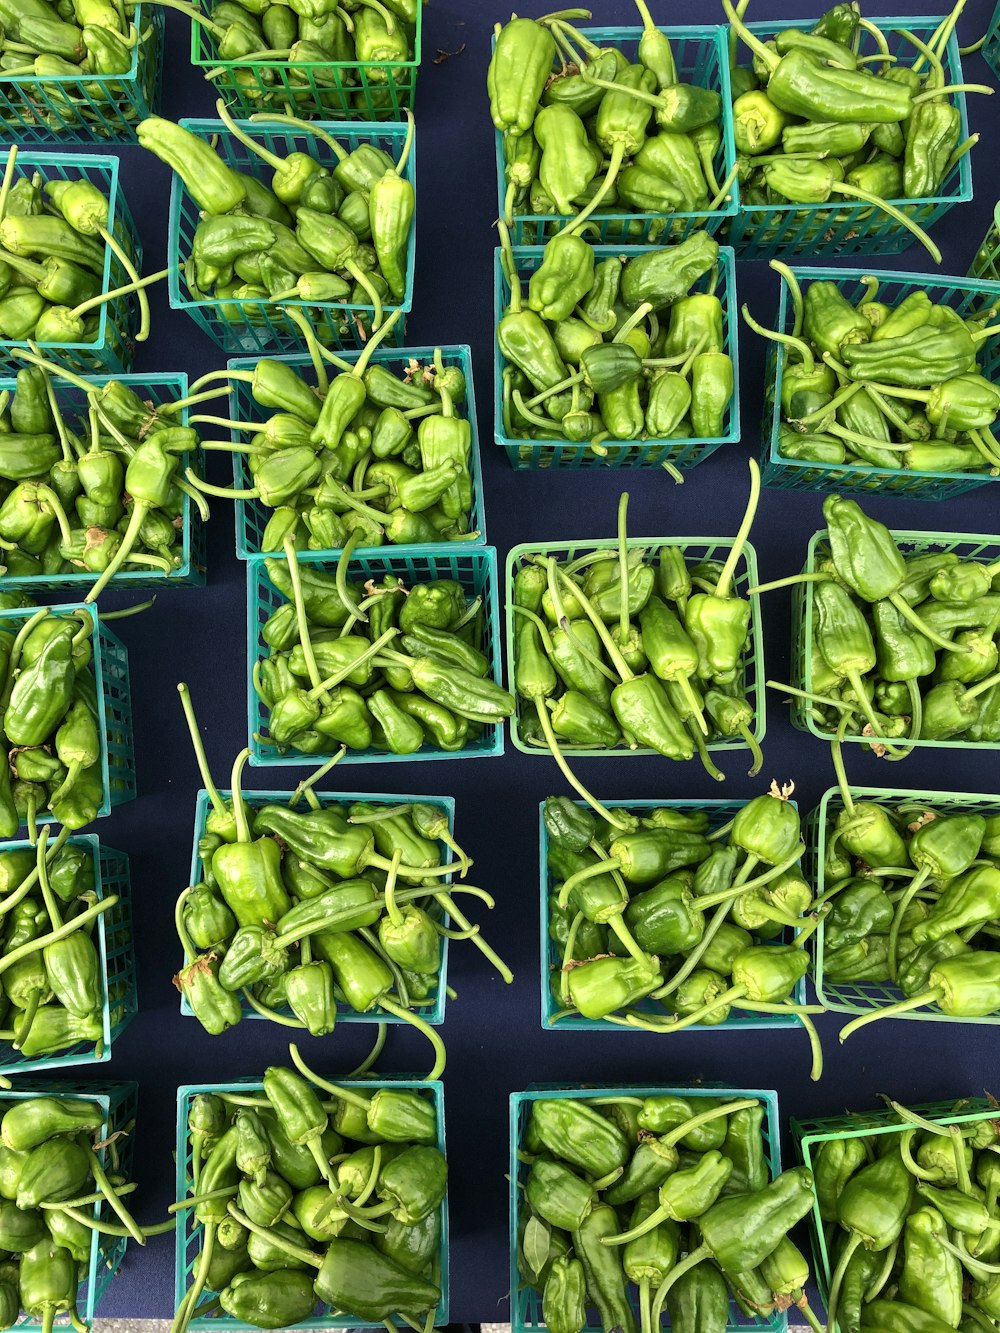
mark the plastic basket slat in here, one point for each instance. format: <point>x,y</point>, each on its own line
<point>526,1301</point>
<point>695,549</point>
<point>525,454</point>
<point>719,813</point>
<point>158,389</point>
<point>836,229</point>
<point>252,516</point>
<point>189,1235</point>
<point>347,90</point>
<point>968,298</point>
<point>113,349</point>
<point>702,58</point>
<point>259,327</point>
<point>966,545</point>
<point>475,568</point>
<point>431,1011</point>
<point>97,107</point>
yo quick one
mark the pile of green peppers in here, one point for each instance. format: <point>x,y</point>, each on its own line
<point>904,647</point>
<point>285,1181</point>
<point>912,1219</point>
<point>660,667</point>
<point>629,1204</point>
<point>100,492</point>
<point>877,386</point>
<point>660,912</point>
<point>312,57</point>
<point>564,104</point>
<point>374,455</point>
<point>313,235</point>
<point>915,906</point>
<point>49,735</point>
<point>333,674</point>
<point>301,910</point>
<point>817,122</point>
<point>51,1178</point>
<point>621,349</point>
<point>54,239</point>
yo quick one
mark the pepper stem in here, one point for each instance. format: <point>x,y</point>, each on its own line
<point>239,805</point>
<point>449,904</point>
<point>8,177</point>
<point>614,166</point>
<point>67,928</point>
<point>855,192</point>
<point>567,772</point>
<point>395,915</point>
<point>509,267</point>
<point>185,1311</point>
<point>190,952</point>
<point>440,1054</point>
<point>890,1011</point>
<point>715,773</point>
<point>837,754</point>
<point>201,758</point>
<point>908,613</point>
<point>705,1117</point>
<point>137,284</point>
<point>41,868</point>
<point>623,620</point>
<point>837,1281</point>
<point>794,294</point>
<point>696,954</point>
<point>272,159</point>
<point>295,1251</point>
<point>305,127</point>
<point>729,568</point>
<point>111,1195</point>
<point>678,1271</point>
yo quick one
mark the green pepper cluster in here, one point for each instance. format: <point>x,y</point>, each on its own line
<point>375,457</point>
<point>99,492</point>
<point>815,121</point>
<point>915,894</point>
<point>660,912</point>
<point>315,235</point>
<point>49,722</point>
<point>312,56</point>
<point>563,104</point>
<point>904,647</point>
<point>51,1177</point>
<point>912,1217</point>
<point>333,675</point>
<point>892,387</point>
<point>629,1204</point>
<point>621,349</point>
<point>284,1181</point>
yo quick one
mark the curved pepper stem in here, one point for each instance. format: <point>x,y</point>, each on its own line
<point>897,215</point>
<point>201,758</point>
<point>610,176</point>
<point>41,869</point>
<point>567,772</point>
<point>741,31</point>
<point>67,928</point>
<point>239,805</point>
<point>304,127</point>
<point>185,1311</point>
<point>791,340</point>
<point>729,568</point>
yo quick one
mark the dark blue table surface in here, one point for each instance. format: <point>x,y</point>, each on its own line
<point>494,1038</point>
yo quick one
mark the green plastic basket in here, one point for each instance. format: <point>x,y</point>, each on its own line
<point>696,549</point>
<point>189,1236</point>
<point>475,568</point>
<point>702,57</point>
<point>965,297</point>
<point>113,937</point>
<point>862,997</point>
<point>113,703</point>
<point>118,1103</point>
<point>529,454</point>
<point>347,90</point>
<point>966,545</point>
<point>986,264</point>
<point>259,326</point>
<point>769,231</point>
<point>810,1135</point>
<point>252,515</point>
<point>53,109</point>
<point>525,1300</point>
<point>991,47</point>
<point>113,349</point>
<point>190,573</point>
<point>431,1011</point>
<point>719,813</point>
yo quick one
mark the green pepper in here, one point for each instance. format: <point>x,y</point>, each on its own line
<point>603,1270</point>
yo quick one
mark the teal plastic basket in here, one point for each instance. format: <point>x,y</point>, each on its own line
<point>719,813</point>
<point>525,1300</point>
<point>986,264</point>
<point>991,47</point>
<point>432,1011</point>
<point>475,568</point>
<point>157,390</point>
<point>967,546</point>
<point>109,667</point>
<point>702,57</point>
<point>862,997</point>
<point>54,109</point>
<point>189,1235</point>
<point>529,454</point>
<point>113,938</point>
<point>696,549</point>
<point>966,297</point>
<point>252,515</point>
<point>118,1103</point>
<point>113,349</point>
<point>810,1135</point>
<point>853,227</point>
<point>347,90</point>
<point>259,326</point>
